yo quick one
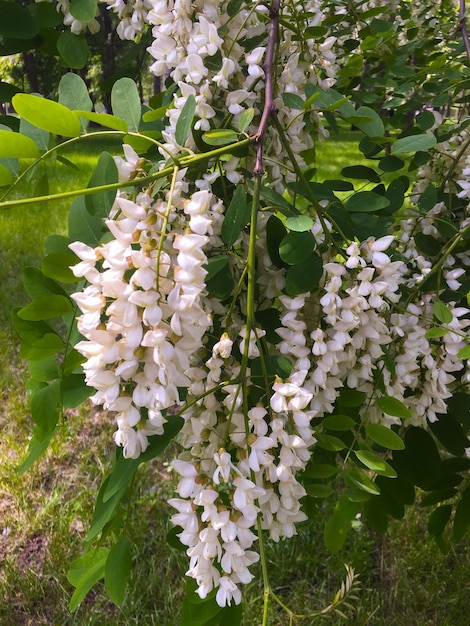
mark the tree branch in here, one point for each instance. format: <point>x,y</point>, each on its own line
<point>463,28</point>
<point>269,107</point>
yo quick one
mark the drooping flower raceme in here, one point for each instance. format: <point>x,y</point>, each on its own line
<point>164,334</point>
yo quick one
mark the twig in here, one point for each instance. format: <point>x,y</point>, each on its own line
<point>269,106</point>
<point>463,28</point>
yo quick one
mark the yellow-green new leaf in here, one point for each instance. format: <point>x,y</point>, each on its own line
<point>375,463</point>
<point>104,119</point>
<point>5,176</point>
<point>17,146</point>
<point>384,436</point>
<point>47,115</point>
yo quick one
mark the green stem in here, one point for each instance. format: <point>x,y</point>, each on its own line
<point>250,316</point>
<point>303,180</point>
<point>185,161</point>
<point>165,224</point>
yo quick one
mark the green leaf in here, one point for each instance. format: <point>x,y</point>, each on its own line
<point>375,463</point>
<point>328,442</point>
<point>125,102</point>
<point>442,312</point>
<point>83,226</point>
<point>413,143</point>
<point>351,398</point>
<point>464,353</point>
<point>44,370</point>
<point>7,91</point>
<point>46,307</point>
<point>394,407</point>
<point>45,406</point>
<point>40,137</point>
<point>338,422</point>
<point>117,570</point>
<point>428,198</point>
<point>37,285</point>
<point>391,163</point>
<point>245,119</point>
<point>361,172</point>
<point>304,276</point>
<point>185,120</point>
<point>16,22</point>
<point>154,114</point>
<point>47,115</point>
<point>220,137</point>
<point>338,524</point>
<point>374,126</point>
<point>296,247</point>
<point>434,333</point>
<point>420,460</point>
<point>462,516</point>
<point>72,362</point>
<point>38,444</point>
<point>366,202</point>
<point>40,348</point>
<point>395,194</point>
<point>299,223</point>
<point>75,391</point>
<point>196,611</point>
<point>234,6</point>
<point>451,434</point>
<point>356,478</point>
<point>275,233</point>
<point>73,93</point>
<point>103,119</point>
<point>5,176</point>
<point>275,199</point>
<point>428,244</point>
<point>124,469</point>
<point>317,490</point>
<point>273,365</point>
<point>384,436</point>
<point>73,49</point>
<point>17,146</point>
<point>399,489</point>
<point>375,514</point>
<point>83,10</point>
<point>425,120</point>
<point>57,266</point>
<point>104,510</point>
<point>293,101</point>
<point>319,471</point>
<point>236,217</point>
<point>221,285</point>
<point>214,265</point>
<point>105,173</point>
<point>85,572</point>
<point>438,519</point>
<point>439,495</point>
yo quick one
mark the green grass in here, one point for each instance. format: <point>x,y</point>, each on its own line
<point>45,513</point>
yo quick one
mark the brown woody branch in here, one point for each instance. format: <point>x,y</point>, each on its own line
<point>463,28</point>
<point>269,106</point>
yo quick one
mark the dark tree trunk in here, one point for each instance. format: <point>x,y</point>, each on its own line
<point>31,73</point>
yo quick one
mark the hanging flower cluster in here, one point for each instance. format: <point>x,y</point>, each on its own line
<point>158,342</point>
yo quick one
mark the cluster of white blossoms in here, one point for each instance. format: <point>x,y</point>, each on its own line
<point>132,16</point>
<point>144,314</point>
<point>157,342</point>
<point>76,26</point>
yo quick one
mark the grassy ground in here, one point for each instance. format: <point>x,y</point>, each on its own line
<point>45,514</point>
